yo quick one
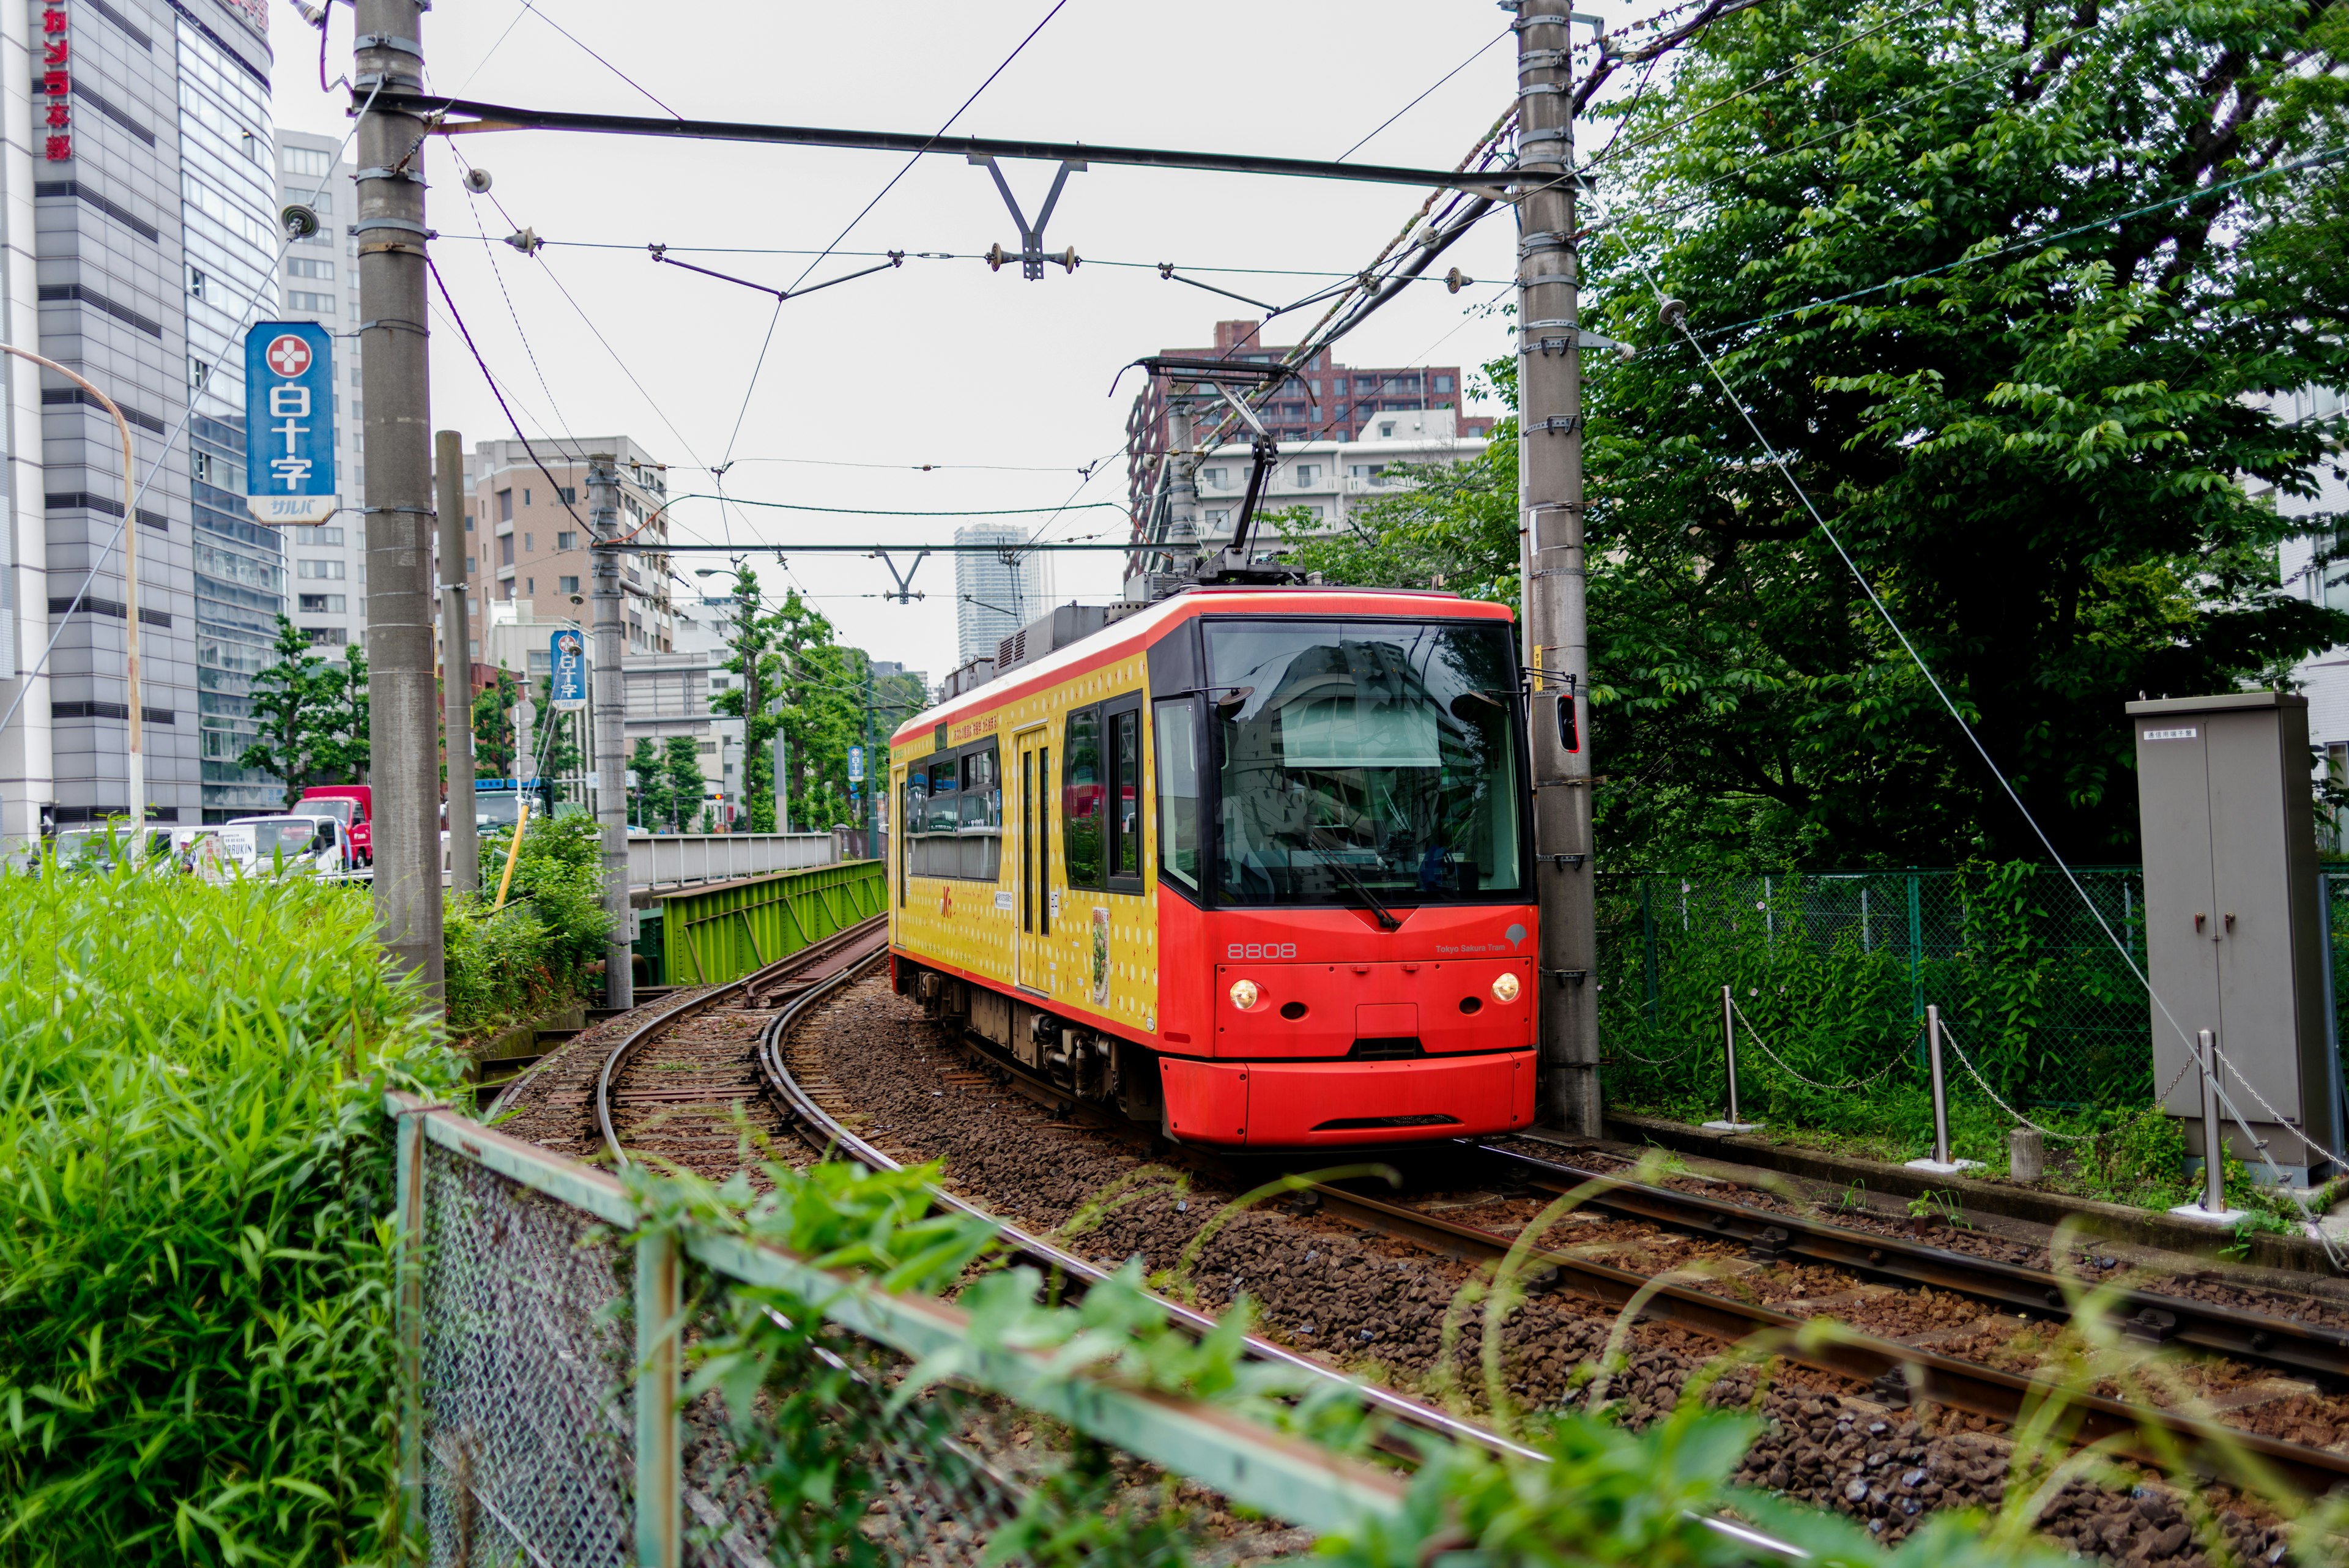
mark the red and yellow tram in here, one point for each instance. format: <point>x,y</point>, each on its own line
<point>1252,863</point>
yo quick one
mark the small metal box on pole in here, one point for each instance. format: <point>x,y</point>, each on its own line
<point>2235,933</point>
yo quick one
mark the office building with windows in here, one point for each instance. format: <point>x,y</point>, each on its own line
<point>996,594</point>
<point>1326,403</point>
<point>326,596</point>
<point>137,173</point>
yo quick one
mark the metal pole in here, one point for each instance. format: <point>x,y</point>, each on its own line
<point>660,1516</point>
<point>525,736</point>
<point>1940,1089</point>
<point>2214,1135</point>
<point>1182,494</point>
<point>872,795</point>
<point>611,713</point>
<point>135,764</point>
<point>1549,404</point>
<point>456,667</point>
<point>403,731</point>
<point>1729,1052</point>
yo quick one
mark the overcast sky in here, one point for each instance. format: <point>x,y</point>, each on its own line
<point>1003,383</point>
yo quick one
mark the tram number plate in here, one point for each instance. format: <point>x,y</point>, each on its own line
<point>1261,950</point>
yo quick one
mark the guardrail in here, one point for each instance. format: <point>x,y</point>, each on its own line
<point>722,933</point>
<point>542,1420</point>
<point>664,859</point>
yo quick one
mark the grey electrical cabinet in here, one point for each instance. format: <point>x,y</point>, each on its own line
<point>2235,933</point>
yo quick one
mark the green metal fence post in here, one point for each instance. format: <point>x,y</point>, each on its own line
<point>1915,947</point>
<point>1648,943</point>
<point>408,1202</point>
<point>660,1517</point>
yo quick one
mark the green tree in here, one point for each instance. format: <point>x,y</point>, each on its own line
<point>1985,279</point>
<point>683,783</point>
<point>754,655</point>
<point>312,715</point>
<point>652,790</point>
<point>493,734</point>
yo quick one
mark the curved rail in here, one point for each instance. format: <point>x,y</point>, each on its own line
<point>875,930</point>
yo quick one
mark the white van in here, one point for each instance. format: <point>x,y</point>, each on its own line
<point>313,844</point>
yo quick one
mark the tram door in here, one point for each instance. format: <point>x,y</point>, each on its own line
<point>1035,850</point>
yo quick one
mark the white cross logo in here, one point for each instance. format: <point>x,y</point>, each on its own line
<point>288,356</point>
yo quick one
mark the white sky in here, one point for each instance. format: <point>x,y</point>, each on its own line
<point>942,362</point>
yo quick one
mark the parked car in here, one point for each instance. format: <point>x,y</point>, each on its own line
<point>317,844</point>
<point>97,846</point>
<point>353,807</point>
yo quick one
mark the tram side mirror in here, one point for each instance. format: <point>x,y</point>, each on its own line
<point>1570,728</point>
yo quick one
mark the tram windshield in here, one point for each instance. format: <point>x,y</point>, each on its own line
<point>1366,762</point>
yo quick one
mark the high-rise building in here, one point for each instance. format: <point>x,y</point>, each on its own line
<point>996,594</point>
<point>1327,402</point>
<point>142,161</point>
<point>326,596</point>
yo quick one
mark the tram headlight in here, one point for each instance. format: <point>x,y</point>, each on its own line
<point>1505,987</point>
<point>1245,994</point>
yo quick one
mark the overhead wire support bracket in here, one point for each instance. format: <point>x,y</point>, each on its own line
<point>660,254</point>
<point>1031,240</point>
<point>904,580</point>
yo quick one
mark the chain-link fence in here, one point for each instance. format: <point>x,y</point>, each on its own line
<point>545,1426</point>
<point>1832,973</point>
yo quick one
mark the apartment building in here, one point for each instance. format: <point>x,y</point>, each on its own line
<point>526,536</point>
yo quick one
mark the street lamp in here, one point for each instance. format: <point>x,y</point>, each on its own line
<point>136,765</point>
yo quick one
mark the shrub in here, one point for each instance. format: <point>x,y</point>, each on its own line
<point>531,955</point>
<point>195,1293</point>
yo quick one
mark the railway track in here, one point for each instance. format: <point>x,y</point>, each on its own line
<point>1885,1374</point>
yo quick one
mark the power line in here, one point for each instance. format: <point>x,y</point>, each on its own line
<point>768,341</point>
<point>600,60</point>
<point>2042,241</point>
<point>880,512</point>
<point>1422,97</point>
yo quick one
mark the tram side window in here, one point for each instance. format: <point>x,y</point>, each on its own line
<point>957,829</point>
<point>982,791</point>
<point>1124,798</point>
<point>944,812</point>
<point>1081,811</point>
<point>1176,742</point>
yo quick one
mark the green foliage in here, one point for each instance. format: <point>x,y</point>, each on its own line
<point>649,799</point>
<point>532,955</point>
<point>685,782</point>
<point>196,1295</point>
<point>800,684</point>
<point>493,733</point>
<point>312,715</point>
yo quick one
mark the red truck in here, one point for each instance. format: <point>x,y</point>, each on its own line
<point>354,805</point>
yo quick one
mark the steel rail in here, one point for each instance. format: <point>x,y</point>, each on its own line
<point>824,1131</point>
<point>474,117</point>
<point>2148,1315</point>
<point>1898,1374</point>
<point>781,969</point>
<point>819,1126</point>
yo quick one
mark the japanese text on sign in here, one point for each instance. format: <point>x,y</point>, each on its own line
<point>289,425</point>
<point>57,83</point>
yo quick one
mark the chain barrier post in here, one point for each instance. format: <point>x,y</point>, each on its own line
<point>1940,1164</point>
<point>1735,1123</point>
<point>2213,1208</point>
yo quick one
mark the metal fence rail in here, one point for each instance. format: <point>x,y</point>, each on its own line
<point>543,1424</point>
<point>715,934</point>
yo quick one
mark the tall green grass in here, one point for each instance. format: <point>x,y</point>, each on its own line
<point>195,1280</point>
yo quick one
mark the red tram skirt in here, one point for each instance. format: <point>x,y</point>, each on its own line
<point>1301,1104</point>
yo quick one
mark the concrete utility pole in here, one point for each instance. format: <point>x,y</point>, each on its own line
<point>610,702</point>
<point>1549,412</point>
<point>456,667</point>
<point>404,725</point>
<point>525,724</point>
<point>1182,494</point>
<point>872,774</point>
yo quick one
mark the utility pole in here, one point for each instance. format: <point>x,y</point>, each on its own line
<point>403,725</point>
<point>1549,415</point>
<point>610,714</point>
<point>1183,495</point>
<point>526,722</point>
<point>873,775</point>
<point>456,666</point>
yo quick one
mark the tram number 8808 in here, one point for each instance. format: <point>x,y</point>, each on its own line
<point>1261,950</point>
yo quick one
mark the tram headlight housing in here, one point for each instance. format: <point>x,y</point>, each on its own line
<point>1505,987</point>
<point>1245,994</point>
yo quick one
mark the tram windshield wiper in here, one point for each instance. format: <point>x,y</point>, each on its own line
<point>1387,920</point>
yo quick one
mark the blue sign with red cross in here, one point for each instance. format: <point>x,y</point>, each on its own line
<point>289,423</point>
